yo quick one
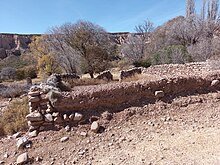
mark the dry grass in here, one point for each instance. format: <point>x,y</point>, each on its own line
<point>14,118</point>
<point>85,82</point>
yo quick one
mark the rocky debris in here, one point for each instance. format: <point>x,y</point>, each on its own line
<point>77,117</point>
<point>214,82</point>
<point>105,75</point>
<point>64,139</point>
<point>2,162</point>
<point>22,159</point>
<point>130,73</point>
<point>22,142</point>
<point>159,94</point>
<point>95,127</point>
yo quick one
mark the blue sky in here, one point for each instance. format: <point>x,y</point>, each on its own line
<point>37,16</point>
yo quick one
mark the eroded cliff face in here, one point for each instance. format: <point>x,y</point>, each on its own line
<point>14,44</point>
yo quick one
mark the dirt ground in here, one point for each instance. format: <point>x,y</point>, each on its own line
<point>184,131</point>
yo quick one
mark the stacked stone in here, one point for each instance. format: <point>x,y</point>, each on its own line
<point>42,114</point>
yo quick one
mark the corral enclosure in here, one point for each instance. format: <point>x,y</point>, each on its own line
<point>50,107</point>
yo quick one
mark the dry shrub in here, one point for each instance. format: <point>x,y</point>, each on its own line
<point>14,118</point>
<point>13,90</point>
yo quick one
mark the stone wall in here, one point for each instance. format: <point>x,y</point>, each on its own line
<point>50,107</point>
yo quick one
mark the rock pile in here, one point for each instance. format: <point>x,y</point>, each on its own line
<point>43,114</point>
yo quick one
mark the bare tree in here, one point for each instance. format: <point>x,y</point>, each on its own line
<point>91,42</point>
<point>67,57</point>
<point>213,10</point>
<point>190,8</point>
<point>187,32</point>
<point>136,46</point>
<point>203,10</point>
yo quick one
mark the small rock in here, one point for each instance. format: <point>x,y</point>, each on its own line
<point>32,128</point>
<point>214,82</point>
<point>77,117</point>
<point>81,152</point>
<point>33,133</point>
<point>49,110</point>
<point>55,114</point>
<point>2,162</point>
<point>22,159</point>
<point>67,128</point>
<point>64,139</point>
<point>38,159</point>
<point>17,135</point>
<point>66,117</point>
<point>48,117</point>
<point>6,155</point>
<point>22,142</point>
<point>159,94</point>
<point>95,126</point>
<point>83,133</point>
<point>71,117</point>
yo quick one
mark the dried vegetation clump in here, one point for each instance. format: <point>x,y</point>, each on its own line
<point>14,118</point>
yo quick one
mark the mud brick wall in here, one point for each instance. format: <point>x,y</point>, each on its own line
<point>50,107</point>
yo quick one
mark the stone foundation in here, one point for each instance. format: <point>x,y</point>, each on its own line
<point>49,106</point>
